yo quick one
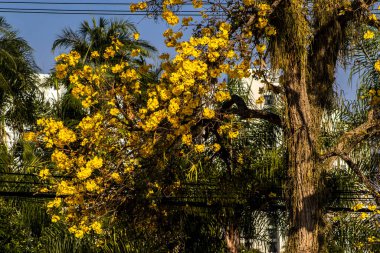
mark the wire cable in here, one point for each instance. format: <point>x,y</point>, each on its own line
<point>81,3</point>
<point>85,12</point>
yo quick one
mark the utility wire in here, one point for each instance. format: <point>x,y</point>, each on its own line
<point>17,174</point>
<point>87,10</point>
<point>81,3</point>
<point>21,182</point>
<point>105,13</point>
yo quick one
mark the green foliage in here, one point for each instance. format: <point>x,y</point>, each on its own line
<point>18,83</point>
<point>15,236</point>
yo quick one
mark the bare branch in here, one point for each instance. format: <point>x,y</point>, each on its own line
<point>246,113</point>
<point>372,188</point>
<point>349,140</point>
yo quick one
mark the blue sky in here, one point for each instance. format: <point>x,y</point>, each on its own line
<point>40,30</point>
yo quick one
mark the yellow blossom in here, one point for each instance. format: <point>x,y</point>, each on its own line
<point>249,2</point>
<point>97,227</point>
<point>29,136</point>
<point>135,52</point>
<point>357,207</point>
<point>368,35</point>
<point>216,147</point>
<point>95,163</point>
<point>233,134</point>
<point>55,218</point>
<point>377,66</point>
<point>372,17</point>
<point>152,104</point>
<point>91,185</point>
<point>187,139</point>
<point>222,96</point>
<point>261,48</point>
<point>79,234</point>
<point>95,54</point>
<point>65,188</point>
<point>260,100</point>
<point>44,190</point>
<point>270,31</point>
<point>114,111</point>
<point>240,159</point>
<point>186,21</point>
<point>199,148</point>
<point>84,173</point>
<point>138,6</point>
<point>66,136</point>
<point>136,36</point>
<point>44,173</point>
<point>55,203</point>
<point>372,207</point>
<point>208,113</point>
<point>170,17</point>
<point>116,176</point>
<point>364,216</point>
<point>109,53</point>
<point>197,4</point>
<point>262,23</point>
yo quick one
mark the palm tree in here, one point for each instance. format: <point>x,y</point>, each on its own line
<point>18,89</point>
<point>98,35</point>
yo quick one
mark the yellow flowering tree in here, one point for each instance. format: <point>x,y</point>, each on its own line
<point>303,42</point>
<point>135,132</point>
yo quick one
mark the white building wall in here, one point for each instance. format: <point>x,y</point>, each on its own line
<point>50,95</point>
<point>254,89</point>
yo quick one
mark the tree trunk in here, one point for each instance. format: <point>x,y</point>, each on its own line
<point>232,238</point>
<point>302,163</point>
<point>3,132</point>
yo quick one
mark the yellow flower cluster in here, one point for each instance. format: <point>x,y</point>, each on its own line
<point>377,66</point>
<point>130,121</point>
<point>374,96</point>
<point>44,173</point>
<point>199,148</point>
<point>55,203</point>
<point>197,4</point>
<point>186,20</point>
<point>66,60</point>
<point>368,35</point>
<point>170,17</point>
<point>65,188</point>
<point>54,133</point>
<point>29,136</point>
<point>249,2</point>
<point>216,147</point>
<point>261,48</point>
<point>91,185</point>
<point>138,6</point>
<point>208,113</point>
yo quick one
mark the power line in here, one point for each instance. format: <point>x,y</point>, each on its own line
<point>21,182</point>
<point>17,174</point>
<point>87,10</point>
<point>81,3</point>
<point>105,13</point>
<point>64,3</point>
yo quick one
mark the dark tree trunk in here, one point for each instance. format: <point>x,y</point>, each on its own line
<point>232,238</point>
<point>301,131</point>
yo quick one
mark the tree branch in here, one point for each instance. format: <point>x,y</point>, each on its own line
<point>246,113</point>
<point>349,140</point>
<point>372,188</point>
